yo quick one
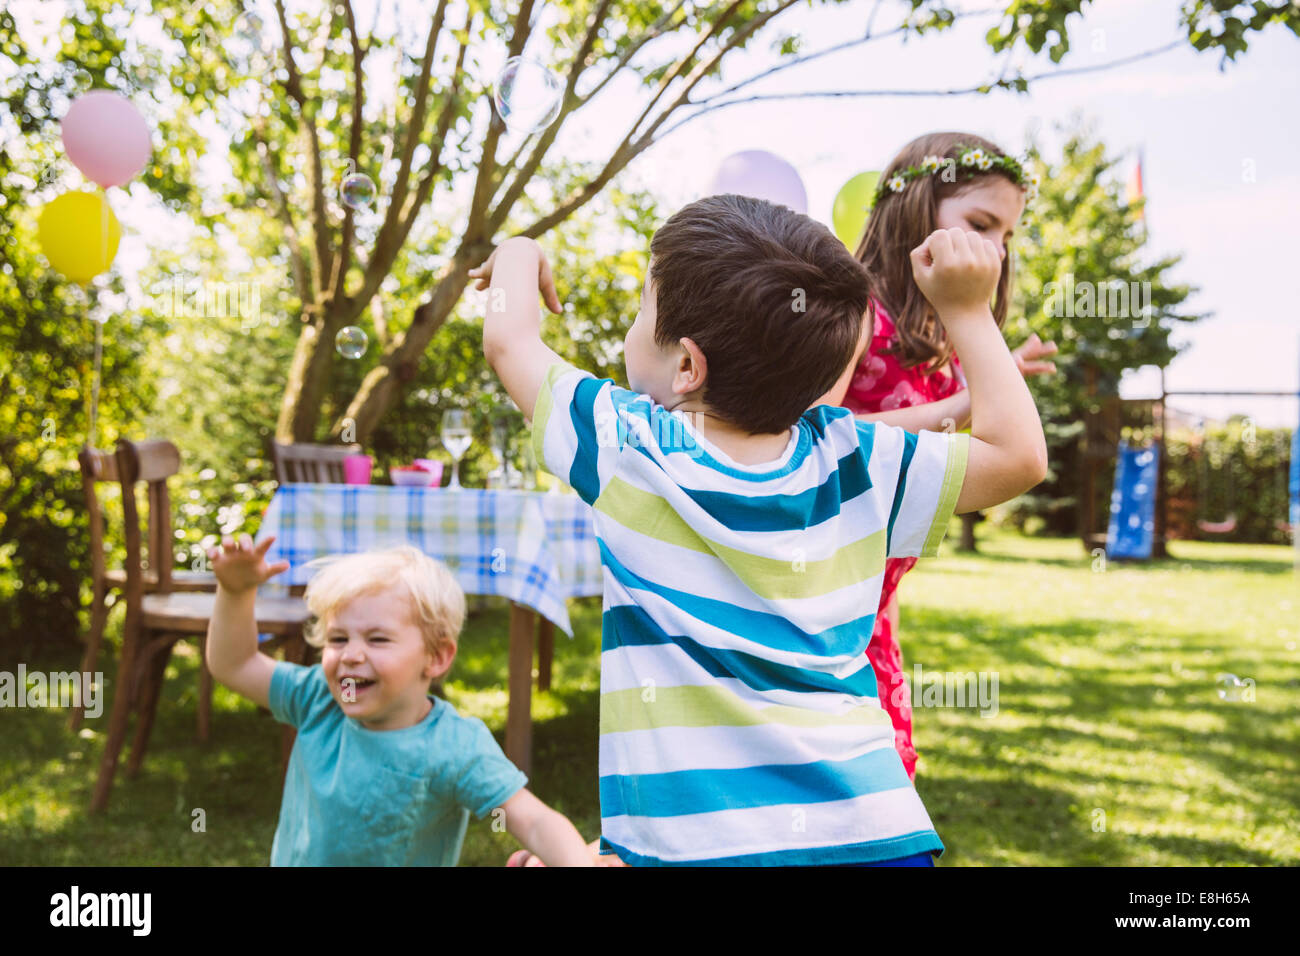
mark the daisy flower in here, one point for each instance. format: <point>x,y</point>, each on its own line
<point>931,163</point>
<point>897,183</point>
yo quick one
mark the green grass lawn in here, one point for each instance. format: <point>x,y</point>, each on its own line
<point>1110,746</point>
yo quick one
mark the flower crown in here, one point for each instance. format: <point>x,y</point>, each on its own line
<point>969,162</point>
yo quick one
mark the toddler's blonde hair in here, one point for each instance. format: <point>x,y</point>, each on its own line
<point>437,604</point>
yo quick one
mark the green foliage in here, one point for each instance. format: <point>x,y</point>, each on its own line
<point>1210,24</point>
<point>46,359</point>
<point>223,332</point>
<point>1232,469</point>
<point>1081,236</point>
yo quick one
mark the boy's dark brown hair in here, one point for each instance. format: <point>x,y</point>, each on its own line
<point>774,301</point>
<point>898,224</point>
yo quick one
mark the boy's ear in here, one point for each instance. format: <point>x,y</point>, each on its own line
<point>692,368</point>
<point>437,663</point>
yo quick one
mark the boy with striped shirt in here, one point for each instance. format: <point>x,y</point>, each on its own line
<point>743,534</point>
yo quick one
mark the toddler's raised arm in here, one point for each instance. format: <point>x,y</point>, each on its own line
<point>232,654</point>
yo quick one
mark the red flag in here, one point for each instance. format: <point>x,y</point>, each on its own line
<point>1134,192</point>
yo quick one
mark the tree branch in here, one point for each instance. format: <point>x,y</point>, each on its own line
<point>390,241</point>
<point>655,31</point>
<point>981,88</point>
<point>630,147</point>
<point>301,274</point>
<point>320,221</point>
<point>714,28</point>
<point>416,125</point>
<point>570,103</point>
<point>344,258</point>
<point>476,228</point>
<point>868,37</point>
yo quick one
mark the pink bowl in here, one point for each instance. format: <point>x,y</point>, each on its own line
<point>410,479</point>
<point>433,467</point>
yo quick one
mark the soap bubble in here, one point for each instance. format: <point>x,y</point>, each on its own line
<point>527,95</point>
<point>1229,687</point>
<point>358,191</point>
<point>351,342</point>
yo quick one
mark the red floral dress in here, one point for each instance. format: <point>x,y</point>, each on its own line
<point>881,384</point>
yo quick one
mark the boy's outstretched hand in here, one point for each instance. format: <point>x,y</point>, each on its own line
<point>241,565</point>
<point>957,271</point>
<point>545,280</point>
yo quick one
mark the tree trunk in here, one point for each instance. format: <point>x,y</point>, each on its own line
<point>309,376</point>
<point>968,531</point>
<point>379,389</point>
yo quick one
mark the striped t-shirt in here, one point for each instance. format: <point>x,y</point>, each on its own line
<point>739,716</point>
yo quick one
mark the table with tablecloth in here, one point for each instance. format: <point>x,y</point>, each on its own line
<point>536,549</point>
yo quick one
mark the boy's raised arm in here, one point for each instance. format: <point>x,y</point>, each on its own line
<point>512,340</point>
<point>958,271</point>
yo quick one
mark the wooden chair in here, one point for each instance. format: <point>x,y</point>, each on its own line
<point>156,621</point>
<point>100,467</point>
<point>311,464</point>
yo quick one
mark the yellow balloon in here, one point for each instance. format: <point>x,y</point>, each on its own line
<point>852,203</point>
<point>79,234</point>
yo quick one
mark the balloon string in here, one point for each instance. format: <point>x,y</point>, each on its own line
<point>94,382</point>
<point>103,226</point>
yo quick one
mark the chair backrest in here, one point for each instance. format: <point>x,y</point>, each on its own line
<point>151,462</point>
<point>311,464</point>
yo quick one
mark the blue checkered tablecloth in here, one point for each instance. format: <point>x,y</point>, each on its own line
<point>534,548</point>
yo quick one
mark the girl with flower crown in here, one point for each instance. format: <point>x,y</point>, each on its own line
<point>908,374</point>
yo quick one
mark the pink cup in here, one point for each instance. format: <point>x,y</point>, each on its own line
<point>435,469</point>
<point>356,469</point>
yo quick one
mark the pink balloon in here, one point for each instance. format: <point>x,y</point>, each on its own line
<point>106,137</point>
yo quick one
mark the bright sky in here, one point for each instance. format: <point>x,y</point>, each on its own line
<point>1221,177</point>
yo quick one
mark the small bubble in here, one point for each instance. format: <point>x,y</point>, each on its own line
<point>527,95</point>
<point>1229,687</point>
<point>351,342</point>
<point>358,191</point>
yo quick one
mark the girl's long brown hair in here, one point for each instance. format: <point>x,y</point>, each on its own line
<point>898,224</point>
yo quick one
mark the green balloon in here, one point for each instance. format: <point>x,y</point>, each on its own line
<point>852,203</point>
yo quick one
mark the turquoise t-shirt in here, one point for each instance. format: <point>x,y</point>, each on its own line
<point>358,797</point>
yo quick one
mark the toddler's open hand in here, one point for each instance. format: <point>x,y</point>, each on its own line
<point>241,565</point>
<point>957,271</point>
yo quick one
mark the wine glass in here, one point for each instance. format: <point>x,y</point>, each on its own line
<point>500,476</point>
<point>456,438</point>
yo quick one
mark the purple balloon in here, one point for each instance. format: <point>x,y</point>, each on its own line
<point>106,137</point>
<point>758,173</point>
